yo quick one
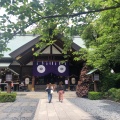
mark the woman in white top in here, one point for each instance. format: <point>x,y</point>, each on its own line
<point>49,89</point>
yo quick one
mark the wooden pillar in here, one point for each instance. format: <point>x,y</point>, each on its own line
<point>95,86</point>
<point>33,77</point>
<point>95,83</point>
<point>9,87</point>
<point>33,83</point>
<point>20,73</point>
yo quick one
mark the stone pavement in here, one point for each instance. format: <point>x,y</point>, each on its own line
<point>60,111</point>
<point>22,109</point>
<point>34,106</point>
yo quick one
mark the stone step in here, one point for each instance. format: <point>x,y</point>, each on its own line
<point>40,87</point>
<point>43,95</point>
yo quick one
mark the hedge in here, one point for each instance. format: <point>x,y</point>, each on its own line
<point>7,97</point>
<point>94,95</point>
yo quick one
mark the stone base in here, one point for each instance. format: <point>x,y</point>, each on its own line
<point>33,89</point>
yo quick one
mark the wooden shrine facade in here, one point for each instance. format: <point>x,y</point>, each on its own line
<point>23,62</point>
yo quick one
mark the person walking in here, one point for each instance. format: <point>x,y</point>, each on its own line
<point>60,91</point>
<point>49,90</point>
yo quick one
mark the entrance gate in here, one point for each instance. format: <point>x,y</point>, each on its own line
<point>49,72</point>
<point>42,81</point>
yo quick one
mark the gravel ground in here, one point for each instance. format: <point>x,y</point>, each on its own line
<point>22,109</point>
<point>100,109</point>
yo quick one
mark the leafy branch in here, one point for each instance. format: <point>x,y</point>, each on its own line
<point>77,14</point>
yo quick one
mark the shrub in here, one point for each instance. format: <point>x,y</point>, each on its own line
<point>117,95</point>
<point>7,97</point>
<point>112,93</point>
<point>94,95</point>
<point>104,94</point>
<point>107,82</point>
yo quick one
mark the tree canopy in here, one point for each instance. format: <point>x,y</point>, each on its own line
<point>103,40</point>
<point>97,22</point>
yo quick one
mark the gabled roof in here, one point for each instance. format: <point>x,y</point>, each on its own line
<point>21,47</point>
<point>17,42</point>
<point>77,40</point>
<point>9,70</point>
<point>3,65</point>
<point>92,71</point>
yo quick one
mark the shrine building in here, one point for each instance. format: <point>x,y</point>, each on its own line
<point>41,70</point>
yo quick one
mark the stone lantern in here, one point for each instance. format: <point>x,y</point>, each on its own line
<point>8,81</point>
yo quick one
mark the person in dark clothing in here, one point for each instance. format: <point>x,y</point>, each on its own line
<point>60,91</point>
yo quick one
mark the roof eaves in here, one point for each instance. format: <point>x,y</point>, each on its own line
<point>92,71</point>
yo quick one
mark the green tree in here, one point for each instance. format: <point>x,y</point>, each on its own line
<point>52,17</point>
<point>102,39</point>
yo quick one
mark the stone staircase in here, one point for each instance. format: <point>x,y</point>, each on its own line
<point>40,87</point>
<point>43,95</point>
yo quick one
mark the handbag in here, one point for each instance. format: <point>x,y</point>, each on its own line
<point>51,92</point>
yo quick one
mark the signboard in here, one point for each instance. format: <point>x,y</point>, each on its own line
<point>96,77</point>
<point>8,77</point>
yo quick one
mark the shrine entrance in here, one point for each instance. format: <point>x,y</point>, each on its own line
<point>50,72</point>
<point>50,78</point>
<point>42,81</point>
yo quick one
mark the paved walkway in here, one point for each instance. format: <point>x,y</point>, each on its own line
<point>34,106</point>
<point>60,111</point>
